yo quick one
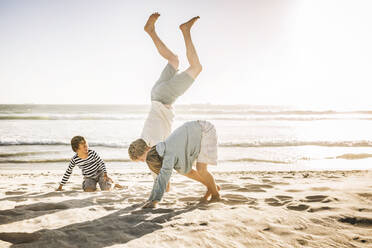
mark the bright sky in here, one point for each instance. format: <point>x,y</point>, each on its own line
<point>314,52</point>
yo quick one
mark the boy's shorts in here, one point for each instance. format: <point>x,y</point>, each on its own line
<point>170,85</point>
<point>91,182</point>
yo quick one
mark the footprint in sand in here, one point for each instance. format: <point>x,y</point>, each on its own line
<point>246,178</point>
<point>365,195</point>
<point>332,177</point>
<point>15,192</point>
<point>110,208</point>
<point>316,198</point>
<point>238,199</point>
<point>278,200</point>
<point>319,188</point>
<point>368,210</point>
<point>297,207</point>
<point>252,188</point>
<point>229,186</point>
<point>293,190</point>
<point>313,210</point>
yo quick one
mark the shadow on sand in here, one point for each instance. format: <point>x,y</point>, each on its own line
<point>119,227</point>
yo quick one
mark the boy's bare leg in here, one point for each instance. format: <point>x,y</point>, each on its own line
<point>162,48</point>
<point>208,178</point>
<point>195,66</point>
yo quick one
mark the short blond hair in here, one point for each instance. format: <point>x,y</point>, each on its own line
<point>137,148</point>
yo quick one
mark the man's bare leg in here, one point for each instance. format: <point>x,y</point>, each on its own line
<point>162,48</point>
<point>195,66</point>
<point>209,193</point>
<point>208,178</point>
<point>195,176</point>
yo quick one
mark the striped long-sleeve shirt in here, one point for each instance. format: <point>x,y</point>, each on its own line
<point>88,166</point>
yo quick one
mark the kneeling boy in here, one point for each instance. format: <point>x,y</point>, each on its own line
<point>91,165</point>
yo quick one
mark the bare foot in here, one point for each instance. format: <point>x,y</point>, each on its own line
<point>203,200</point>
<point>209,193</point>
<point>150,24</point>
<point>187,25</point>
<point>215,198</point>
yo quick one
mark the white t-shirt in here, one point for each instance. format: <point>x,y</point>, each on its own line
<point>158,125</point>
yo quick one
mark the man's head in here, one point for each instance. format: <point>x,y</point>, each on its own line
<point>138,150</point>
<point>79,144</point>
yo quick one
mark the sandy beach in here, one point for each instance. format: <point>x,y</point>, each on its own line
<point>259,209</point>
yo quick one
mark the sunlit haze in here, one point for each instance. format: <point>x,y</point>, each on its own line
<point>311,53</point>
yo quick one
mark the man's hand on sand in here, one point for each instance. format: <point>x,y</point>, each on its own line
<point>150,204</point>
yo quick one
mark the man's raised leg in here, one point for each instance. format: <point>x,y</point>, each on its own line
<point>195,66</point>
<point>162,48</point>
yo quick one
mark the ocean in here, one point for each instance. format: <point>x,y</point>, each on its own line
<point>266,138</point>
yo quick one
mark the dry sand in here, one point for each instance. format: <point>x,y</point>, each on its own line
<point>260,209</point>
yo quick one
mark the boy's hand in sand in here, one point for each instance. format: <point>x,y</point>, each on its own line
<point>118,186</point>
<point>106,178</point>
<point>150,204</point>
<point>59,188</point>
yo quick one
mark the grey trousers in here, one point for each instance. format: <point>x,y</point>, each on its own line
<point>90,183</point>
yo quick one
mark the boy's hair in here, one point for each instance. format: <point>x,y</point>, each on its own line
<point>137,148</point>
<point>154,161</point>
<point>75,142</point>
